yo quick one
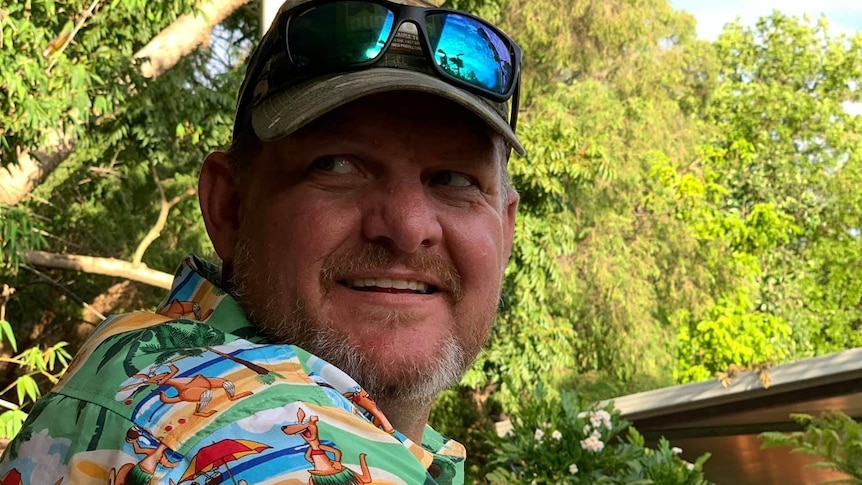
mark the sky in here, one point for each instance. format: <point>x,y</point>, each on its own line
<point>844,16</point>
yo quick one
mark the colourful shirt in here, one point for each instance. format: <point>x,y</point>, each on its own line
<point>192,394</point>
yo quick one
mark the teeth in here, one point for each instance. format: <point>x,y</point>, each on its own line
<point>389,283</point>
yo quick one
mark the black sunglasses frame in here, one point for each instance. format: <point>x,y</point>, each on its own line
<point>403,13</point>
<point>418,16</point>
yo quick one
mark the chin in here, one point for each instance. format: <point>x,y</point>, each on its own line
<point>389,373</point>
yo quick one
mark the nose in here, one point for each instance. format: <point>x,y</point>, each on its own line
<point>402,216</point>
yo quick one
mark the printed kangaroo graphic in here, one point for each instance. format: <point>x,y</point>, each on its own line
<point>141,472</point>
<point>361,398</point>
<point>196,388</point>
<point>326,470</point>
<point>179,309</point>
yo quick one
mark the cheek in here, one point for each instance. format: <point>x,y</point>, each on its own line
<point>294,236</point>
<point>477,249</point>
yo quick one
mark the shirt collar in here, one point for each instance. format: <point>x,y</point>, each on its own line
<point>195,295</point>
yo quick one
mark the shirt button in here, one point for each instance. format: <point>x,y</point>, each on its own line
<point>434,469</point>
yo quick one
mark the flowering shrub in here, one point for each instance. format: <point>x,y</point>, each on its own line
<point>557,441</point>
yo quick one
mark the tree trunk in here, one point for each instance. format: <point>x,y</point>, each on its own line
<point>16,181</point>
<point>104,266</point>
<point>261,371</point>
<point>180,38</point>
<point>184,35</point>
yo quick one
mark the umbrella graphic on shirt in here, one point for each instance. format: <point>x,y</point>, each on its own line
<point>209,458</point>
<point>12,477</point>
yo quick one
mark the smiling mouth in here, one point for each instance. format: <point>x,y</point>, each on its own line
<point>386,285</point>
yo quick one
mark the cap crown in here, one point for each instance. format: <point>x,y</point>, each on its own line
<point>275,99</point>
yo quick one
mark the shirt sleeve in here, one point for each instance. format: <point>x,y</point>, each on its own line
<point>46,450</point>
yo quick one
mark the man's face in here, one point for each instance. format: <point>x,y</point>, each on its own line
<point>376,238</point>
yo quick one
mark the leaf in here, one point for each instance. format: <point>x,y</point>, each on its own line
<point>26,387</point>
<point>11,422</point>
<point>6,331</point>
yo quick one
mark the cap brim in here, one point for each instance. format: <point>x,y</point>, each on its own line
<point>296,106</point>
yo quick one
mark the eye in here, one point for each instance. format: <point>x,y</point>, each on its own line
<point>334,164</point>
<point>452,179</point>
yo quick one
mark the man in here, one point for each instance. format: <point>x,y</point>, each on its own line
<point>364,218</point>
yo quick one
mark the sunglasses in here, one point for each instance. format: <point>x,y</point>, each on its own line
<point>341,35</point>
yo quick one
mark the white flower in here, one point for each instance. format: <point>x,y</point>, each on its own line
<point>546,425</point>
<point>539,434</point>
<point>533,482</point>
<point>690,466</point>
<point>606,418</point>
<point>596,434</point>
<point>676,450</point>
<point>600,418</point>
<point>593,444</point>
<point>573,469</point>
<point>587,429</point>
<point>583,414</point>
<point>556,435</point>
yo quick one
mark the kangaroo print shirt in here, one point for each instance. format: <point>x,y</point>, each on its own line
<point>192,394</point>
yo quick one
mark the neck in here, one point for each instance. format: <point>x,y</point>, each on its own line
<point>409,418</point>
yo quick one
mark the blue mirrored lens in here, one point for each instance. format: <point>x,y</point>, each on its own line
<point>470,51</point>
<point>339,34</point>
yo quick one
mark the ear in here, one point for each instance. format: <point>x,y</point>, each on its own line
<point>300,415</point>
<point>511,211</point>
<point>218,192</point>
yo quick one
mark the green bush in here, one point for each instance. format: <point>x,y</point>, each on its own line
<point>833,437</point>
<point>561,441</point>
<point>458,415</point>
<point>47,364</point>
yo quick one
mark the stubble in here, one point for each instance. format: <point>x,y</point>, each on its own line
<point>287,320</point>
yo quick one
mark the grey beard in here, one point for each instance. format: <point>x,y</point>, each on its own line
<point>412,383</point>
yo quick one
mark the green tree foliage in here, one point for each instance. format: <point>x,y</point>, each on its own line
<point>68,64</point>
<point>783,157</point>
<point>49,363</point>
<point>676,195</point>
<point>69,68</point>
<point>613,90</point>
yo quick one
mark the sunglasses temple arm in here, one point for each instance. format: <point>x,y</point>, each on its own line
<point>516,95</point>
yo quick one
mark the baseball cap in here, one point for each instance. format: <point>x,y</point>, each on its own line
<point>276,101</point>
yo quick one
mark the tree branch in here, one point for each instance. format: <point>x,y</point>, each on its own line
<point>8,405</point>
<point>65,290</point>
<point>163,52</point>
<point>66,40</point>
<point>104,266</point>
<point>184,35</point>
<point>165,207</point>
<point>18,181</point>
<point>5,295</point>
